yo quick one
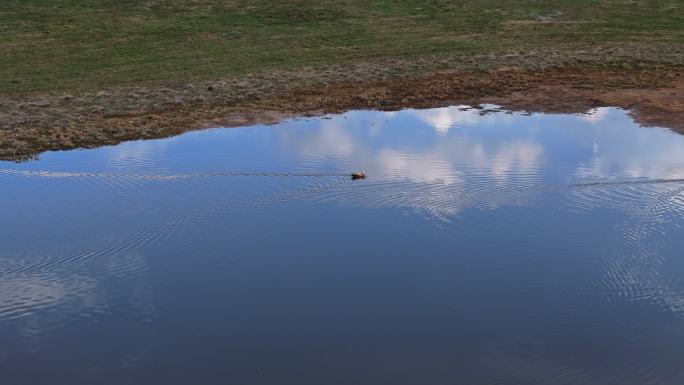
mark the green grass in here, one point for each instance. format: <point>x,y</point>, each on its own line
<point>59,45</point>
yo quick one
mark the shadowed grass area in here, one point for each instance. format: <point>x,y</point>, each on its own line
<point>83,45</point>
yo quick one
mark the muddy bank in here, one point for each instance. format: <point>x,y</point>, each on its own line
<point>654,96</point>
<point>31,125</point>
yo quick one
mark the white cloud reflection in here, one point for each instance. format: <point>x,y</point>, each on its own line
<point>596,115</point>
<point>443,119</point>
<point>36,302</point>
<point>470,162</point>
<point>449,170</point>
<point>331,139</point>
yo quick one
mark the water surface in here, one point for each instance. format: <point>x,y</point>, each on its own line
<point>485,247</point>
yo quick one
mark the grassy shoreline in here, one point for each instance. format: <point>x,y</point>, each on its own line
<point>62,121</point>
<point>77,73</point>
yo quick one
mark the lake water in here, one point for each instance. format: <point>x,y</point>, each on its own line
<point>484,247</point>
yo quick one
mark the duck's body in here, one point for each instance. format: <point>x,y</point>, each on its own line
<point>358,175</point>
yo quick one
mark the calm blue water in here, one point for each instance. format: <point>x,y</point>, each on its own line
<point>484,248</point>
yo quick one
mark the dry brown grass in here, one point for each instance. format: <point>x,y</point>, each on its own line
<point>529,82</point>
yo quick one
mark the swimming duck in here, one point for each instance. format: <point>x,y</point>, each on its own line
<point>358,175</point>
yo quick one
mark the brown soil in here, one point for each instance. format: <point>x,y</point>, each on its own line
<point>654,95</point>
